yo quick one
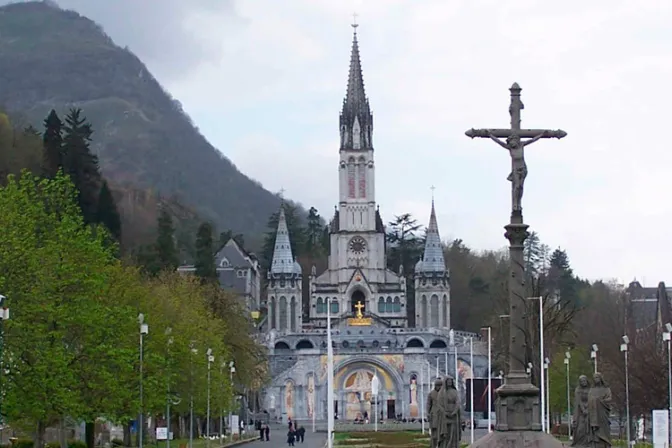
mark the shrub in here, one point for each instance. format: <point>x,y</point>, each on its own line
<point>76,444</point>
<point>117,442</point>
<point>23,443</point>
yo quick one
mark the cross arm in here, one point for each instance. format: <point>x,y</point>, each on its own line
<point>522,133</point>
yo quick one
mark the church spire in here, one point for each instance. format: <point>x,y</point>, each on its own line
<point>432,259</point>
<point>283,260</point>
<point>356,120</point>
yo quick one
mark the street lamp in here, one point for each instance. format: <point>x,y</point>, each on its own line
<point>471,392</point>
<point>489,379</point>
<point>593,356</point>
<point>211,359</point>
<point>547,362</point>
<point>624,349</point>
<point>451,337</point>
<point>194,351</point>
<point>568,356</point>
<point>374,393</point>
<point>529,368</point>
<point>4,315</point>
<point>232,370</point>
<point>667,338</point>
<point>144,329</point>
<point>169,342</point>
<point>542,377</point>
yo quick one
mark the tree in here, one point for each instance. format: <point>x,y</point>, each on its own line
<point>535,254</point>
<point>81,164</point>
<point>166,250</point>
<point>404,249</point>
<point>54,152</point>
<point>107,213</point>
<point>314,234</point>
<point>205,254</point>
<point>561,280</point>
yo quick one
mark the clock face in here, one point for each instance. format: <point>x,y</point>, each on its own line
<point>357,245</point>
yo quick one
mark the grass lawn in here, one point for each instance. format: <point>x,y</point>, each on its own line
<point>407,439</point>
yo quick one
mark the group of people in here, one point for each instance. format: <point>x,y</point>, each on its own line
<point>592,408</point>
<point>445,419</point>
<point>295,434</point>
<point>264,431</point>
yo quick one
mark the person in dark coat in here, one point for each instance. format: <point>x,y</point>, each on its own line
<point>301,433</point>
<point>267,430</point>
<point>290,437</point>
<point>261,429</point>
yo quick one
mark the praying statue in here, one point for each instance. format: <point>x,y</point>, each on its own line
<point>450,421</point>
<point>433,412</point>
<point>599,408</point>
<point>581,424</point>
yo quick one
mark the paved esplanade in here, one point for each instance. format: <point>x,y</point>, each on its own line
<point>278,438</point>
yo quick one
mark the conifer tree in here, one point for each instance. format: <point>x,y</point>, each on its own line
<point>81,164</point>
<point>52,139</point>
<point>107,213</point>
<point>205,254</point>
<point>166,250</point>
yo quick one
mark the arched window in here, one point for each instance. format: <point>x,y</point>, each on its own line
<point>361,177</point>
<point>446,322</point>
<point>271,314</point>
<point>389,307</point>
<point>381,305</point>
<point>357,297</point>
<point>397,305</point>
<point>319,307</point>
<point>282,314</point>
<point>351,177</point>
<point>434,311</point>
<point>423,311</point>
<point>334,306</point>
<point>292,323</point>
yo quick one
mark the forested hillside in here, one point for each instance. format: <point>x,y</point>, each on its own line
<point>56,59</point>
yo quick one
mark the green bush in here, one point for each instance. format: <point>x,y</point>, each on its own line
<point>76,444</point>
<point>23,443</point>
<point>53,445</point>
<point>117,442</point>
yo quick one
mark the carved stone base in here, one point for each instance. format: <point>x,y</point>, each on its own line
<point>517,439</point>
<point>518,404</point>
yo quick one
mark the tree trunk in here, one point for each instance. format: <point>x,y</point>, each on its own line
<point>90,434</point>
<point>127,434</point>
<point>62,432</point>
<point>38,439</point>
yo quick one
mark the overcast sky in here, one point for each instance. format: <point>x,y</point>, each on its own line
<point>264,81</point>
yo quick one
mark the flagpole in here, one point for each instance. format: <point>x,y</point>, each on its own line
<point>330,382</point>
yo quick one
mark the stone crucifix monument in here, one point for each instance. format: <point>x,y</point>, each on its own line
<point>518,412</point>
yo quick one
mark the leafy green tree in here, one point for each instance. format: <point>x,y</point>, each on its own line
<point>536,256</point>
<point>166,249</point>
<point>561,277</point>
<point>314,234</point>
<point>54,152</point>
<point>81,164</point>
<point>404,249</point>
<point>205,254</point>
<point>107,213</point>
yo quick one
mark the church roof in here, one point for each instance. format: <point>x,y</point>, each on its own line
<point>283,260</point>
<point>356,104</point>
<point>432,259</point>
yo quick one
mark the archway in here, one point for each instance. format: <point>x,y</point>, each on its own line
<point>415,343</point>
<point>281,345</point>
<point>358,301</point>
<point>438,343</point>
<point>304,344</point>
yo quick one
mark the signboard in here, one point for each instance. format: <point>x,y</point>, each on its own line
<point>235,425</point>
<point>661,429</point>
<point>161,433</point>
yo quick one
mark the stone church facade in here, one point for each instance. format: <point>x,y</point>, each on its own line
<point>367,302</point>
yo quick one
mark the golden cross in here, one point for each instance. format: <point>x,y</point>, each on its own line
<point>359,305</point>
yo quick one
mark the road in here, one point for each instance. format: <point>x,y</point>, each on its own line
<point>278,438</point>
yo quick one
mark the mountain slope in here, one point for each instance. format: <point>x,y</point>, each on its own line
<point>52,58</point>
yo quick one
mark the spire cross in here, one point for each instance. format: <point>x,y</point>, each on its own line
<point>516,146</point>
<point>354,21</point>
<point>432,188</point>
<point>282,193</point>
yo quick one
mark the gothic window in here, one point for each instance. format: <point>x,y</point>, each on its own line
<point>334,306</point>
<point>351,178</point>
<point>292,324</point>
<point>423,311</point>
<point>282,314</point>
<point>389,307</point>
<point>446,323</point>
<point>361,177</point>
<point>381,305</point>
<point>356,135</point>
<point>272,313</point>
<point>434,312</point>
<point>320,308</point>
<point>397,305</point>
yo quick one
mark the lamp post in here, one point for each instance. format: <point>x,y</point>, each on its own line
<point>232,370</point>
<point>529,368</point>
<point>169,342</point>
<point>221,401</point>
<point>667,338</point>
<point>374,394</point>
<point>330,382</point>
<point>422,397</point>
<point>568,356</point>
<point>489,379</point>
<point>542,377</point>
<point>144,329</point>
<point>547,362</point>
<point>471,392</point>
<point>211,359</point>
<point>593,356</point>
<point>453,343</point>
<point>624,349</point>
<point>194,351</point>
<point>4,315</point>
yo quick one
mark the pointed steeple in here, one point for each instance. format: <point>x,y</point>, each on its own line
<point>356,120</point>
<point>432,259</point>
<point>283,261</point>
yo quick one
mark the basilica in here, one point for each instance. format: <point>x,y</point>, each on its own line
<point>366,301</point>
